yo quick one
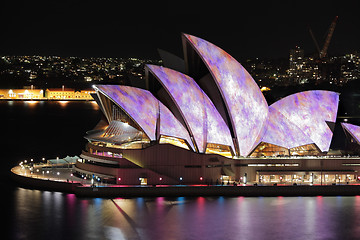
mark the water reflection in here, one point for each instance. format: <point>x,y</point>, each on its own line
<point>44,215</point>
<point>94,105</point>
<point>63,103</point>
<point>31,103</point>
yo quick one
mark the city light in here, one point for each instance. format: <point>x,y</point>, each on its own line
<point>269,116</point>
<point>143,120</point>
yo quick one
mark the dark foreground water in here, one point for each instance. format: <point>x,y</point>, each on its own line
<point>52,215</point>
<point>50,129</point>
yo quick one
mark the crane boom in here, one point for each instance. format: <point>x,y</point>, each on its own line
<point>323,52</point>
<point>314,39</point>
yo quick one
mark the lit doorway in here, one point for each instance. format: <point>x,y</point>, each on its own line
<point>143,181</point>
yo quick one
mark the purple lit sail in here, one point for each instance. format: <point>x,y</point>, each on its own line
<point>353,130</point>
<point>245,103</point>
<point>281,132</point>
<point>170,126</point>
<point>139,104</point>
<point>199,113</point>
<point>145,109</point>
<point>309,111</point>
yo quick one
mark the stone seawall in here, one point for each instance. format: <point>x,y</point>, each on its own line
<point>42,184</point>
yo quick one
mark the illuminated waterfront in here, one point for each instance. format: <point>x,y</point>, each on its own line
<point>33,94</point>
<point>51,129</point>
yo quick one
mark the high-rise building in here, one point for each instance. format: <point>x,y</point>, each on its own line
<point>350,67</point>
<point>302,69</point>
<point>296,63</point>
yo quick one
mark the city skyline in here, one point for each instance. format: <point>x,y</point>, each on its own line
<point>108,30</point>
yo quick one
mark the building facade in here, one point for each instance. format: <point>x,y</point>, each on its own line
<point>49,94</point>
<point>29,94</point>
<point>68,94</point>
<point>302,69</point>
<point>211,125</point>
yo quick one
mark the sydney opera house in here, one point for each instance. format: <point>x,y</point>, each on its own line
<point>204,120</point>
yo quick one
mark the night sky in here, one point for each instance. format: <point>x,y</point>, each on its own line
<point>105,29</point>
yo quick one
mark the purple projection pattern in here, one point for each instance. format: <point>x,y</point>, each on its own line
<point>353,130</point>
<point>245,103</point>
<point>170,126</point>
<point>199,113</point>
<point>293,121</point>
<point>144,109</point>
<point>139,104</point>
<point>309,111</point>
<point>281,132</point>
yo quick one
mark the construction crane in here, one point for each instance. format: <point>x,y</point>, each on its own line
<point>323,51</point>
<point>314,39</point>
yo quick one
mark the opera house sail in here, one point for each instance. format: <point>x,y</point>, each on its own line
<point>204,122</point>
<point>209,122</point>
<point>245,104</point>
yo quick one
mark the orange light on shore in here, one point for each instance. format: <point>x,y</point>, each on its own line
<point>32,102</point>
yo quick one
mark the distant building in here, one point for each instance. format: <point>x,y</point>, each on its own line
<point>302,69</point>
<point>50,94</point>
<point>60,93</point>
<point>68,93</point>
<point>36,94</point>
<point>296,63</point>
<point>84,94</point>
<point>350,67</point>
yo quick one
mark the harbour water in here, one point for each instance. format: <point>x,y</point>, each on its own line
<point>51,129</point>
<point>53,215</point>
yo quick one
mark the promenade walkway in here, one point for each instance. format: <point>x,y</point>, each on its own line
<point>52,172</point>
